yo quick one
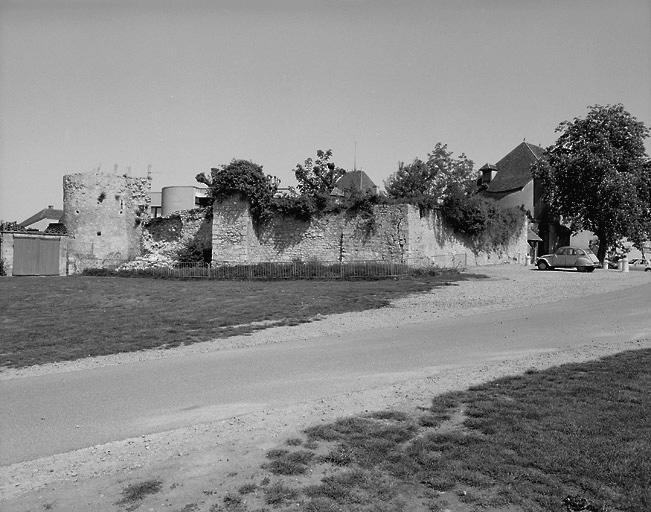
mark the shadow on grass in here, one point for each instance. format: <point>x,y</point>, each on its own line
<point>574,434</point>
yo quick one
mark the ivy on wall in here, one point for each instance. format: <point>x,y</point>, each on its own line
<point>246,179</point>
<point>484,221</point>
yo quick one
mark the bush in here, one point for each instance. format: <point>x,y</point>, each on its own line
<point>300,207</point>
<point>246,179</point>
<point>465,214</point>
<point>483,220</point>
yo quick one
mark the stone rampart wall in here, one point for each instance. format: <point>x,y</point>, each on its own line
<point>174,236</point>
<point>340,237</point>
<point>393,233</point>
<point>431,239</point>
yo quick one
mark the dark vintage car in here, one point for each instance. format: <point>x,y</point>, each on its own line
<point>583,260</point>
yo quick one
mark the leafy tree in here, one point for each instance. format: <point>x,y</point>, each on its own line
<point>318,176</point>
<point>451,173</point>
<point>428,182</point>
<point>597,176</point>
<point>247,179</point>
<point>412,182</point>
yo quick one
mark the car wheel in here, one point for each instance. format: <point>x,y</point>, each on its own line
<point>647,269</point>
<point>542,265</point>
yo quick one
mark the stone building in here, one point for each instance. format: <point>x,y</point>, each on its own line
<point>511,182</point>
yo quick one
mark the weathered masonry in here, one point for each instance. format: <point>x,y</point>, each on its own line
<point>397,233</point>
<point>103,215</point>
<point>33,254</point>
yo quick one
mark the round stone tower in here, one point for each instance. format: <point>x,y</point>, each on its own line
<point>103,214</point>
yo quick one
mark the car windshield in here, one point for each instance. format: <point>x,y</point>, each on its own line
<point>588,252</point>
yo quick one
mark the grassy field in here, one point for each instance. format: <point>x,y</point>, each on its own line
<point>523,443</point>
<point>46,319</point>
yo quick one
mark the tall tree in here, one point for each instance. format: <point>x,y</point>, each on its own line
<point>430,181</point>
<point>597,176</point>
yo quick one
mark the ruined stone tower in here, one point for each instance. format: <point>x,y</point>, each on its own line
<point>104,214</point>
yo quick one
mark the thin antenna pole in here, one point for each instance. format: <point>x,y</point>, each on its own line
<point>355,158</point>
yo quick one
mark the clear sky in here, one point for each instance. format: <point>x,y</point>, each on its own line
<point>188,85</point>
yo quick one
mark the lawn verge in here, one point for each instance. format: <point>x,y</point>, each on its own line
<point>47,320</point>
<point>528,442</point>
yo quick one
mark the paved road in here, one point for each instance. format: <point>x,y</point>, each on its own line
<point>56,413</point>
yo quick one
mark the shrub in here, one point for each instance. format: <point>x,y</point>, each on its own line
<point>465,214</point>
<point>300,207</point>
<point>246,179</point>
<point>485,221</point>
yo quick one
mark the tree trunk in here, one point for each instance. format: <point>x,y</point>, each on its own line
<point>603,247</point>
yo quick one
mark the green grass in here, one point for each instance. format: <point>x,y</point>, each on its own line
<point>284,462</point>
<point>133,494</point>
<point>278,493</point>
<point>519,443</point>
<point>49,319</point>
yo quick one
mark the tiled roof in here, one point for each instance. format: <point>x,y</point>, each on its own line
<point>45,213</point>
<point>514,170</point>
<point>356,180</point>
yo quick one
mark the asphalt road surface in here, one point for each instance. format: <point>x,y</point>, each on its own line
<point>56,413</point>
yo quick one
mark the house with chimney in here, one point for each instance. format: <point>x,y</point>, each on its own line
<point>510,182</point>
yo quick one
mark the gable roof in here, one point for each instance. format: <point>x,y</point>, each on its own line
<point>49,213</point>
<point>514,170</point>
<point>356,180</point>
